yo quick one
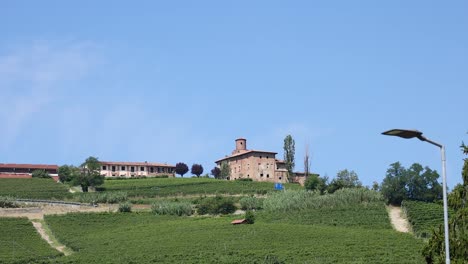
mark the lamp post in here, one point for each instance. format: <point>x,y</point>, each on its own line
<point>404,133</point>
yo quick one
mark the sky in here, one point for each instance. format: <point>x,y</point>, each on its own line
<point>179,81</point>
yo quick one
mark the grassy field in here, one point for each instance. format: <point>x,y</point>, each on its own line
<point>33,188</point>
<point>146,238</point>
<point>423,217</point>
<point>20,243</point>
<point>349,226</point>
<point>163,187</point>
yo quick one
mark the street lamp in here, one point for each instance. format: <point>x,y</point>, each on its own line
<point>404,133</point>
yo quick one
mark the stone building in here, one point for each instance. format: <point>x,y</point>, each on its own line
<point>135,169</point>
<point>254,164</point>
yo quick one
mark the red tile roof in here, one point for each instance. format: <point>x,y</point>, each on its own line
<point>28,166</point>
<point>244,153</point>
<point>126,163</point>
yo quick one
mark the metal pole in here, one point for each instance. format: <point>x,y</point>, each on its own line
<point>444,186</point>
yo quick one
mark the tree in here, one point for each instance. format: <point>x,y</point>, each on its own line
<point>393,186</point>
<point>375,186</point>
<point>216,172</point>
<point>422,184</point>
<point>415,183</point>
<point>197,169</point>
<point>289,152</point>
<point>306,161</point>
<point>88,175</point>
<point>344,179</point>
<point>181,168</point>
<point>314,182</point>
<point>40,174</point>
<point>66,172</point>
<point>434,250</point>
<point>225,170</point>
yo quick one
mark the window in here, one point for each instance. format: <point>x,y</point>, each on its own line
<point>268,175</point>
<point>151,169</point>
<point>248,175</point>
<point>280,178</point>
<point>260,156</point>
<point>113,168</point>
<point>142,168</point>
<point>132,169</point>
<point>261,175</point>
<point>159,170</point>
<point>122,168</point>
<point>104,167</point>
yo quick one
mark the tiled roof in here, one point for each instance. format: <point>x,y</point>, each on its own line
<point>244,153</point>
<point>28,166</point>
<point>126,163</point>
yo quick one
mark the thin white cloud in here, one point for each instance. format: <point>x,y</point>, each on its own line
<point>32,76</point>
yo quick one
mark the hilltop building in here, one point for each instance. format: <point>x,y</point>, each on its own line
<point>254,164</point>
<point>12,170</point>
<point>136,169</point>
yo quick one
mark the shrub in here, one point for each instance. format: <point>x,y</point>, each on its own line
<point>216,205</point>
<point>8,202</point>
<point>40,174</point>
<point>244,179</point>
<point>300,200</point>
<point>125,207</point>
<point>103,197</point>
<point>172,208</point>
<point>249,217</point>
<point>251,203</point>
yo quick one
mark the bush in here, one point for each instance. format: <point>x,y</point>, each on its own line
<point>300,200</point>
<point>125,207</point>
<point>251,203</point>
<point>103,197</point>
<point>40,174</point>
<point>8,202</point>
<point>216,205</point>
<point>245,179</point>
<point>172,208</point>
<point>249,217</point>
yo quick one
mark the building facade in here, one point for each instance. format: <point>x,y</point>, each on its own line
<point>136,169</point>
<point>254,164</point>
<point>11,170</point>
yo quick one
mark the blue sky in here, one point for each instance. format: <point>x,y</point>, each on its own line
<point>178,81</point>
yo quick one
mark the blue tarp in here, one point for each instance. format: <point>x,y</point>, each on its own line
<point>279,186</point>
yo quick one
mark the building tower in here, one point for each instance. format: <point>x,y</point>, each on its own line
<point>241,145</point>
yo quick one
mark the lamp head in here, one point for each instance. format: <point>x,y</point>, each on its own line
<point>404,133</point>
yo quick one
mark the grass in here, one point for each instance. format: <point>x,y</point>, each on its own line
<point>423,217</point>
<point>34,188</point>
<point>146,238</point>
<point>164,187</point>
<point>20,243</point>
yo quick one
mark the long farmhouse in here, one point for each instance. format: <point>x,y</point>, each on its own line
<point>135,169</point>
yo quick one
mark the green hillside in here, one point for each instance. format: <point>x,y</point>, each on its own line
<point>146,238</point>
<point>160,187</point>
<point>20,243</point>
<point>33,188</point>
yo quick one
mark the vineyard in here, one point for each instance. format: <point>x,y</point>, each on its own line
<point>147,238</point>
<point>20,243</point>
<point>33,188</point>
<point>423,217</point>
<point>161,187</point>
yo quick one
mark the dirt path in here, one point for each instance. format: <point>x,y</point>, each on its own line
<point>398,220</point>
<point>50,239</point>
<point>36,215</point>
<point>39,211</point>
